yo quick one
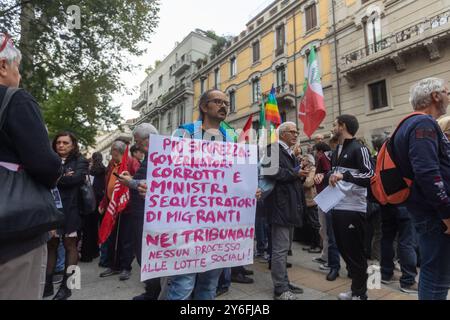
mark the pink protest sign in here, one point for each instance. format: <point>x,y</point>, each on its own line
<point>200,206</point>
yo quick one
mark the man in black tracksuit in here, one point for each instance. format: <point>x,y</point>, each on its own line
<point>351,172</point>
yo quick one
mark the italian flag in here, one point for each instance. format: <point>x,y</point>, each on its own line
<point>312,107</point>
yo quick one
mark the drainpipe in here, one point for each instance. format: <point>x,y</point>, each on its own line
<point>295,73</point>
<point>336,58</point>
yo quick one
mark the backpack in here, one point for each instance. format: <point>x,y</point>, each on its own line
<point>388,185</point>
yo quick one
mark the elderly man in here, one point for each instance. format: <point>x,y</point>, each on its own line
<point>120,242</point>
<point>285,208</point>
<point>422,153</point>
<point>136,205</point>
<point>24,141</point>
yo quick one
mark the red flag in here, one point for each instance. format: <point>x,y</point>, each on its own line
<point>119,201</point>
<point>312,109</point>
<point>244,136</point>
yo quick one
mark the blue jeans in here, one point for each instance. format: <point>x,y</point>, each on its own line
<point>334,260</point>
<point>61,258</point>
<point>260,231</point>
<point>434,246</point>
<point>396,220</point>
<point>225,278</point>
<point>202,286</point>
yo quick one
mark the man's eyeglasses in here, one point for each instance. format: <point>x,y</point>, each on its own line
<point>294,132</point>
<point>446,92</point>
<point>220,102</point>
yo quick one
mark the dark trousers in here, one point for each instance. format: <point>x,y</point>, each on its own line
<point>152,286</point>
<point>334,260</point>
<point>312,219</point>
<point>89,242</point>
<point>396,221</point>
<point>122,257</point>
<point>349,231</point>
<point>261,229</point>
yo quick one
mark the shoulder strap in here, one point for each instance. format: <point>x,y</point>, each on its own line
<point>6,99</point>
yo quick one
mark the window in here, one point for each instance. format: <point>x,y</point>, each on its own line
<point>233,70</point>
<point>283,116</point>
<point>160,81</point>
<point>181,119</point>
<point>216,78</point>
<point>150,89</point>
<point>311,17</point>
<point>256,56</point>
<point>232,101</point>
<point>202,85</point>
<point>256,90</point>
<point>279,40</point>
<point>372,28</point>
<point>378,95</point>
<point>182,81</point>
<point>281,75</point>
<point>169,119</point>
<point>156,123</point>
<point>171,70</point>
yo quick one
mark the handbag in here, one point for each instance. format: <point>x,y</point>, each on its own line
<point>89,202</point>
<point>27,208</point>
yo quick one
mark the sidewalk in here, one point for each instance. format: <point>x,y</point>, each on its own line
<point>304,273</point>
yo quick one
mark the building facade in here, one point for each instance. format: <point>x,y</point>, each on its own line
<point>384,47</point>
<point>273,50</point>
<point>104,141</point>
<point>166,95</point>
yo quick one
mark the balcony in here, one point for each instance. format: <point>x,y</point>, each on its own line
<point>178,91</point>
<point>181,65</point>
<point>282,91</point>
<point>140,102</point>
<point>423,34</point>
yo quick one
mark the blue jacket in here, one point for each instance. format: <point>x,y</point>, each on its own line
<point>422,153</point>
<point>194,130</point>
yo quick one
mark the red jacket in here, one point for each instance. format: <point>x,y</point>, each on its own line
<point>132,165</point>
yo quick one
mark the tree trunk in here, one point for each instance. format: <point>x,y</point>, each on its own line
<point>26,44</point>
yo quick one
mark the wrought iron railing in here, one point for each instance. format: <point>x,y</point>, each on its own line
<point>398,37</point>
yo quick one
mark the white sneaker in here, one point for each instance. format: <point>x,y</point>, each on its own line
<point>324,266</point>
<point>350,296</point>
<point>345,296</point>
<point>287,295</point>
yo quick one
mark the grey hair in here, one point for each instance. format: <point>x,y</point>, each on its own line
<point>144,130</point>
<point>420,93</point>
<point>119,146</point>
<point>10,53</point>
<point>310,158</point>
<point>283,126</point>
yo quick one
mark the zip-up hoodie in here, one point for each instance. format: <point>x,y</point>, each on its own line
<point>355,165</point>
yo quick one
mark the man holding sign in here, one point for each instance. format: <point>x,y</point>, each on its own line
<point>200,204</point>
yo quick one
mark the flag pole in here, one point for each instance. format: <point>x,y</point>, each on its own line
<point>117,241</point>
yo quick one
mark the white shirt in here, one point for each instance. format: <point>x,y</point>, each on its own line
<point>285,146</point>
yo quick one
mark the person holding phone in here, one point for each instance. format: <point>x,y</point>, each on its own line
<point>118,260</point>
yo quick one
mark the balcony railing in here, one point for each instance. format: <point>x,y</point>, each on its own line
<point>181,65</point>
<point>398,37</point>
<point>281,91</point>
<point>178,90</point>
<point>139,102</point>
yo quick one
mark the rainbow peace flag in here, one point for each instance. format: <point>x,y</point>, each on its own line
<point>272,112</point>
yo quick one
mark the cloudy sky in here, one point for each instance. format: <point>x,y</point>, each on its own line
<point>177,19</point>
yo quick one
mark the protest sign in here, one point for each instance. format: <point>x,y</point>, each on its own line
<point>200,206</point>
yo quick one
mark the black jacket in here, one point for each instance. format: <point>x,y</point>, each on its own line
<point>286,203</point>
<point>24,140</point>
<point>355,164</point>
<point>69,187</point>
